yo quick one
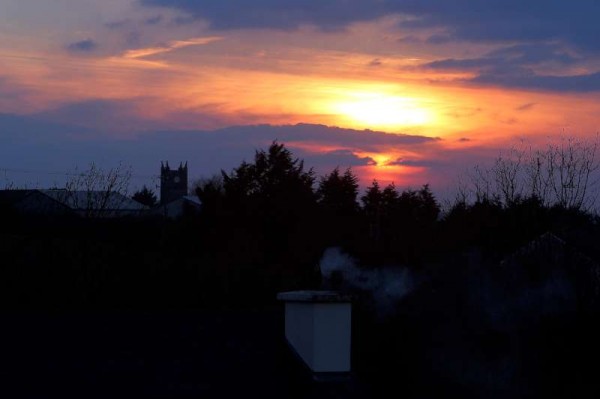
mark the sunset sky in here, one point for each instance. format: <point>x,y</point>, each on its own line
<point>410,91</point>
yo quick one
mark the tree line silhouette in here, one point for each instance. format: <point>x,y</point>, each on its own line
<point>262,228</point>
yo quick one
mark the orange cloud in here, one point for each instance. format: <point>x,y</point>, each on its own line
<point>170,46</point>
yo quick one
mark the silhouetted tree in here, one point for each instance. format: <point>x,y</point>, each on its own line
<point>526,192</point>
<point>420,208</point>
<point>275,179</point>
<point>208,187</point>
<point>417,212</point>
<point>339,192</point>
<point>561,174</point>
<point>210,191</point>
<point>377,206</point>
<point>372,198</point>
<point>267,221</point>
<point>95,190</point>
<point>401,225</point>
<point>145,196</point>
<point>337,195</point>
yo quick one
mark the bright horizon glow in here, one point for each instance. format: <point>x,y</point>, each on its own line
<point>383,111</point>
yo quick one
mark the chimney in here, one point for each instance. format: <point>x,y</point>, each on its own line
<point>318,330</point>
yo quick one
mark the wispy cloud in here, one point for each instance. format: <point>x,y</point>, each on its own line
<point>375,62</point>
<point>525,107</point>
<point>168,47</point>
<point>427,163</point>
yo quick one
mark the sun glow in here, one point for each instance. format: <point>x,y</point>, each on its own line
<point>382,160</point>
<point>383,110</point>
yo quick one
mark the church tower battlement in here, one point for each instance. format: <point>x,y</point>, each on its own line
<point>173,182</point>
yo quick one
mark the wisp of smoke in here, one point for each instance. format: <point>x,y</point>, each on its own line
<point>387,285</point>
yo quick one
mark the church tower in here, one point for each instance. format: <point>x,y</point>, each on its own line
<point>173,182</point>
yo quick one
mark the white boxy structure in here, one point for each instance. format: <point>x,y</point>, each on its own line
<point>318,328</point>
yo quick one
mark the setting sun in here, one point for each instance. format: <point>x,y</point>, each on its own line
<point>382,110</point>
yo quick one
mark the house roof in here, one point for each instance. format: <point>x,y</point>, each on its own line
<point>94,199</point>
<point>549,246</point>
<point>193,198</point>
<point>73,200</point>
<point>186,198</point>
<point>9,197</point>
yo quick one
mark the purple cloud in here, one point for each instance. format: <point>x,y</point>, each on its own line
<point>426,163</point>
<point>473,20</point>
<point>509,58</point>
<point>342,158</point>
<point>513,67</point>
<point>102,115</point>
<point>117,24</point>
<point>154,20</point>
<point>83,46</point>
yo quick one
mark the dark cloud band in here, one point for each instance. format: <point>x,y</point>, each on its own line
<point>475,20</point>
<point>83,46</point>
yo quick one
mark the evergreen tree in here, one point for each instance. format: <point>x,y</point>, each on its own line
<point>267,228</point>
<point>337,192</point>
<point>145,196</point>
<point>338,206</point>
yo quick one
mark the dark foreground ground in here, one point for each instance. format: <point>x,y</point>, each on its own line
<point>223,354</point>
<point>137,355</point>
